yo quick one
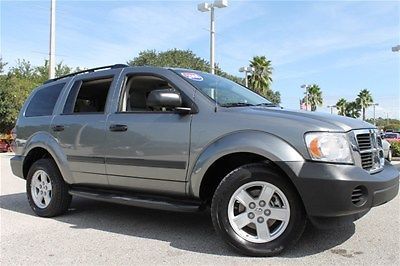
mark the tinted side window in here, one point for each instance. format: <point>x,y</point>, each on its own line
<point>88,96</point>
<point>44,100</point>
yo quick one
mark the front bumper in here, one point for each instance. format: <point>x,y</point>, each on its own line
<point>327,190</point>
<point>16,163</point>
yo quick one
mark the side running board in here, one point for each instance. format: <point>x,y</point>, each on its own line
<point>138,200</point>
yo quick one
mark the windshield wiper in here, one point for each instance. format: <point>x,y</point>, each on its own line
<point>236,104</point>
<point>267,104</point>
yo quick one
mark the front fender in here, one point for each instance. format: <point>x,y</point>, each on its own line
<point>261,143</point>
<point>49,143</point>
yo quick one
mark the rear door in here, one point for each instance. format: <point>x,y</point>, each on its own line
<point>80,126</point>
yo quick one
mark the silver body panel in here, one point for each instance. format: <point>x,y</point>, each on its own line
<point>167,152</point>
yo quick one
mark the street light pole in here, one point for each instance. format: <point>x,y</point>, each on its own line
<point>374,105</point>
<point>205,7</point>
<point>52,46</point>
<point>212,41</point>
<point>246,70</point>
<point>331,106</point>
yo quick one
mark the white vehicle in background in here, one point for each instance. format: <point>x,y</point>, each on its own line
<point>387,150</point>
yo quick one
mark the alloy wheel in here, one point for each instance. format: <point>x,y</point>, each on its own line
<point>259,212</point>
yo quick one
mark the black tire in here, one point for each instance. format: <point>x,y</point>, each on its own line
<point>232,182</point>
<point>60,198</point>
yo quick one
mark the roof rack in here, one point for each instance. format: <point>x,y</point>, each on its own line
<point>87,71</point>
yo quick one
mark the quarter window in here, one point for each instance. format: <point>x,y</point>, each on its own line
<point>44,100</point>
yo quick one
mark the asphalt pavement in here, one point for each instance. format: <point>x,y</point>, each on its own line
<point>100,233</point>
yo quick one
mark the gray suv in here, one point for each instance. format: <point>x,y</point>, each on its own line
<point>184,140</point>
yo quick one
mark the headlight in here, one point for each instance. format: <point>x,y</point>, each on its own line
<point>328,147</point>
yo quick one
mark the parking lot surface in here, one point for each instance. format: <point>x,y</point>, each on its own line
<point>99,233</point>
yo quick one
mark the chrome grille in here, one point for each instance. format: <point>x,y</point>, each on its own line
<point>367,160</point>
<point>379,142</point>
<point>364,141</point>
<point>370,149</point>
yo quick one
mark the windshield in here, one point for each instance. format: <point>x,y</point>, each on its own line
<point>225,92</point>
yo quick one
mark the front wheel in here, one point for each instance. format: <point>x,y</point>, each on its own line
<point>257,211</point>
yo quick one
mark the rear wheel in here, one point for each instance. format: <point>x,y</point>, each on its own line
<point>257,211</point>
<point>47,192</point>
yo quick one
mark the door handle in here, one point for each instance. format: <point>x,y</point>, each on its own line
<point>58,128</point>
<point>117,127</point>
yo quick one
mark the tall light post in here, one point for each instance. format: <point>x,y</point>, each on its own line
<point>396,48</point>
<point>52,46</point>
<point>205,7</point>
<point>374,105</point>
<point>331,106</point>
<point>305,86</point>
<point>387,118</point>
<point>246,70</point>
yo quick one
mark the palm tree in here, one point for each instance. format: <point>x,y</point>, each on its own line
<point>353,109</point>
<point>364,99</point>
<point>314,96</point>
<point>341,106</point>
<point>261,78</point>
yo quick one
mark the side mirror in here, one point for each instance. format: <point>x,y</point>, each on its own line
<point>164,98</point>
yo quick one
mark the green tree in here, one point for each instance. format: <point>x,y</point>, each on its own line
<point>314,96</point>
<point>13,92</point>
<point>62,69</point>
<point>364,99</point>
<point>17,84</point>
<point>261,79</point>
<point>341,106</point>
<point>2,65</point>
<point>353,109</point>
<point>273,96</point>
<point>170,58</point>
<point>177,58</point>
<point>386,123</point>
<point>42,72</point>
<point>23,69</point>
<point>394,126</point>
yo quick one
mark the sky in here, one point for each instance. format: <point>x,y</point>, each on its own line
<point>343,46</point>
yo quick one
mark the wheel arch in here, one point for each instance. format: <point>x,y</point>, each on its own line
<point>248,146</point>
<point>43,145</point>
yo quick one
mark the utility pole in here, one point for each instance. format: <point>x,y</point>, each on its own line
<point>52,47</point>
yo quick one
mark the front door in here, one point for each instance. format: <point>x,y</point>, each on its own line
<point>147,149</point>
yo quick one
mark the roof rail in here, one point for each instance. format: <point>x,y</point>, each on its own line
<point>87,71</point>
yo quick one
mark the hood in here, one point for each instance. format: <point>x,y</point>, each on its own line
<point>314,120</point>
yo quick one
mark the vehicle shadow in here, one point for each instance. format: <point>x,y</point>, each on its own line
<point>186,231</point>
